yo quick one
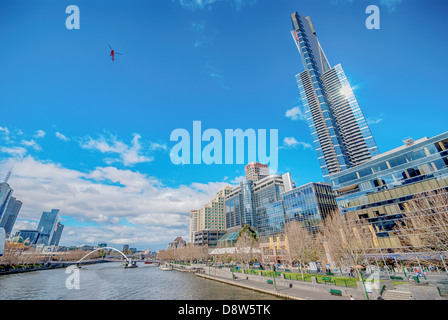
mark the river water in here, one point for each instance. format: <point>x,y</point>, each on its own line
<point>110,281</point>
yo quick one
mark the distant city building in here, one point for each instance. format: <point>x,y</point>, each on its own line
<point>30,236</point>
<point>341,136</point>
<point>378,190</point>
<point>245,202</point>
<point>47,226</point>
<point>5,194</point>
<point>102,245</point>
<point>256,171</point>
<point>9,217</point>
<point>211,216</point>
<point>308,204</point>
<point>208,237</point>
<point>54,241</point>
<point>193,225</point>
<point>125,248</point>
<point>177,243</point>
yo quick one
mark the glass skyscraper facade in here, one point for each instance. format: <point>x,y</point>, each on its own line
<point>47,226</point>
<point>274,201</point>
<point>8,219</point>
<point>308,204</point>
<point>377,191</point>
<point>341,136</point>
<point>5,194</point>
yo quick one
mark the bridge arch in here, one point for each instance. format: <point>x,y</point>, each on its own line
<point>105,248</point>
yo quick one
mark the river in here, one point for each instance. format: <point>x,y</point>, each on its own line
<point>110,281</point>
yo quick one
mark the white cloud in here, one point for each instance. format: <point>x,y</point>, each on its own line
<point>5,130</point>
<point>291,142</point>
<point>375,120</point>
<point>39,134</point>
<point>14,151</point>
<point>295,114</point>
<point>32,144</point>
<point>121,204</point>
<point>127,154</point>
<point>61,136</point>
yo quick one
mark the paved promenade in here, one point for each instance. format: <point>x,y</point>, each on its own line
<point>282,291</point>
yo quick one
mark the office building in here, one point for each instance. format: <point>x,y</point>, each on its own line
<point>47,226</point>
<point>9,217</point>
<point>341,136</point>
<point>308,204</point>
<point>211,216</point>
<point>378,190</point>
<point>27,236</point>
<point>256,171</point>
<point>54,241</point>
<point>193,225</point>
<point>208,237</point>
<point>5,194</point>
<point>247,201</point>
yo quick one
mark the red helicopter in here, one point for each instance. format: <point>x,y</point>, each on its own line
<point>113,53</point>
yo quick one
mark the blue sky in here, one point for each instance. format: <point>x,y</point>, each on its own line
<point>92,137</point>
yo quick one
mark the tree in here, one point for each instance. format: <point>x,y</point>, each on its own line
<point>247,246</point>
<point>347,242</point>
<point>302,246</point>
<point>424,226</point>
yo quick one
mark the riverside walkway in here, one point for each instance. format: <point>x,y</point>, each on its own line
<point>282,291</point>
<point>292,290</point>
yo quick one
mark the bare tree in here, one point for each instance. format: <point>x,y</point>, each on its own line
<point>246,247</point>
<point>424,226</point>
<point>302,246</point>
<point>347,242</point>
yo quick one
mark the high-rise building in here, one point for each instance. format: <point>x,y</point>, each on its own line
<point>256,171</point>
<point>27,236</point>
<point>193,225</point>
<point>54,241</point>
<point>378,191</point>
<point>8,219</point>
<point>5,194</point>
<point>340,133</point>
<point>47,226</point>
<point>248,200</point>
<point>211,216</point>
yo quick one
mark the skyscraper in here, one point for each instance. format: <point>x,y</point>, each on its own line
<point>8,219</point>
<point>54,241</point>
<point>256,171</point>
<point>5,194</point>
<point>47,226</point>
<point>340,133</point>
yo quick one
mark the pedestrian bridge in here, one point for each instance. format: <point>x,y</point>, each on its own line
<point>105,248</point>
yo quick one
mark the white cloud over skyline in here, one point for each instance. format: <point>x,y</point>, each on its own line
<point>106,204</point>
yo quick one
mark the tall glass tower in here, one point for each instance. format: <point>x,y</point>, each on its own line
<point>47,226</point>
<point>340,133</point>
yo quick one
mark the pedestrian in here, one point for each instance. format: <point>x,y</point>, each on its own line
<point>351,297</point>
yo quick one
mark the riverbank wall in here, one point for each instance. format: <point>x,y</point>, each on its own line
<point>48,266</point>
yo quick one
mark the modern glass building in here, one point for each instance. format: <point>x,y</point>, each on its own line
<point>54,241</point>
<point>341,136</point>
<point>378,190</point>
<point>247,201</point>
<point>47,226</point>
<point>5,194</point>
<point>8,219</point>
<point>309,204</point>
<point>29,236</point>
